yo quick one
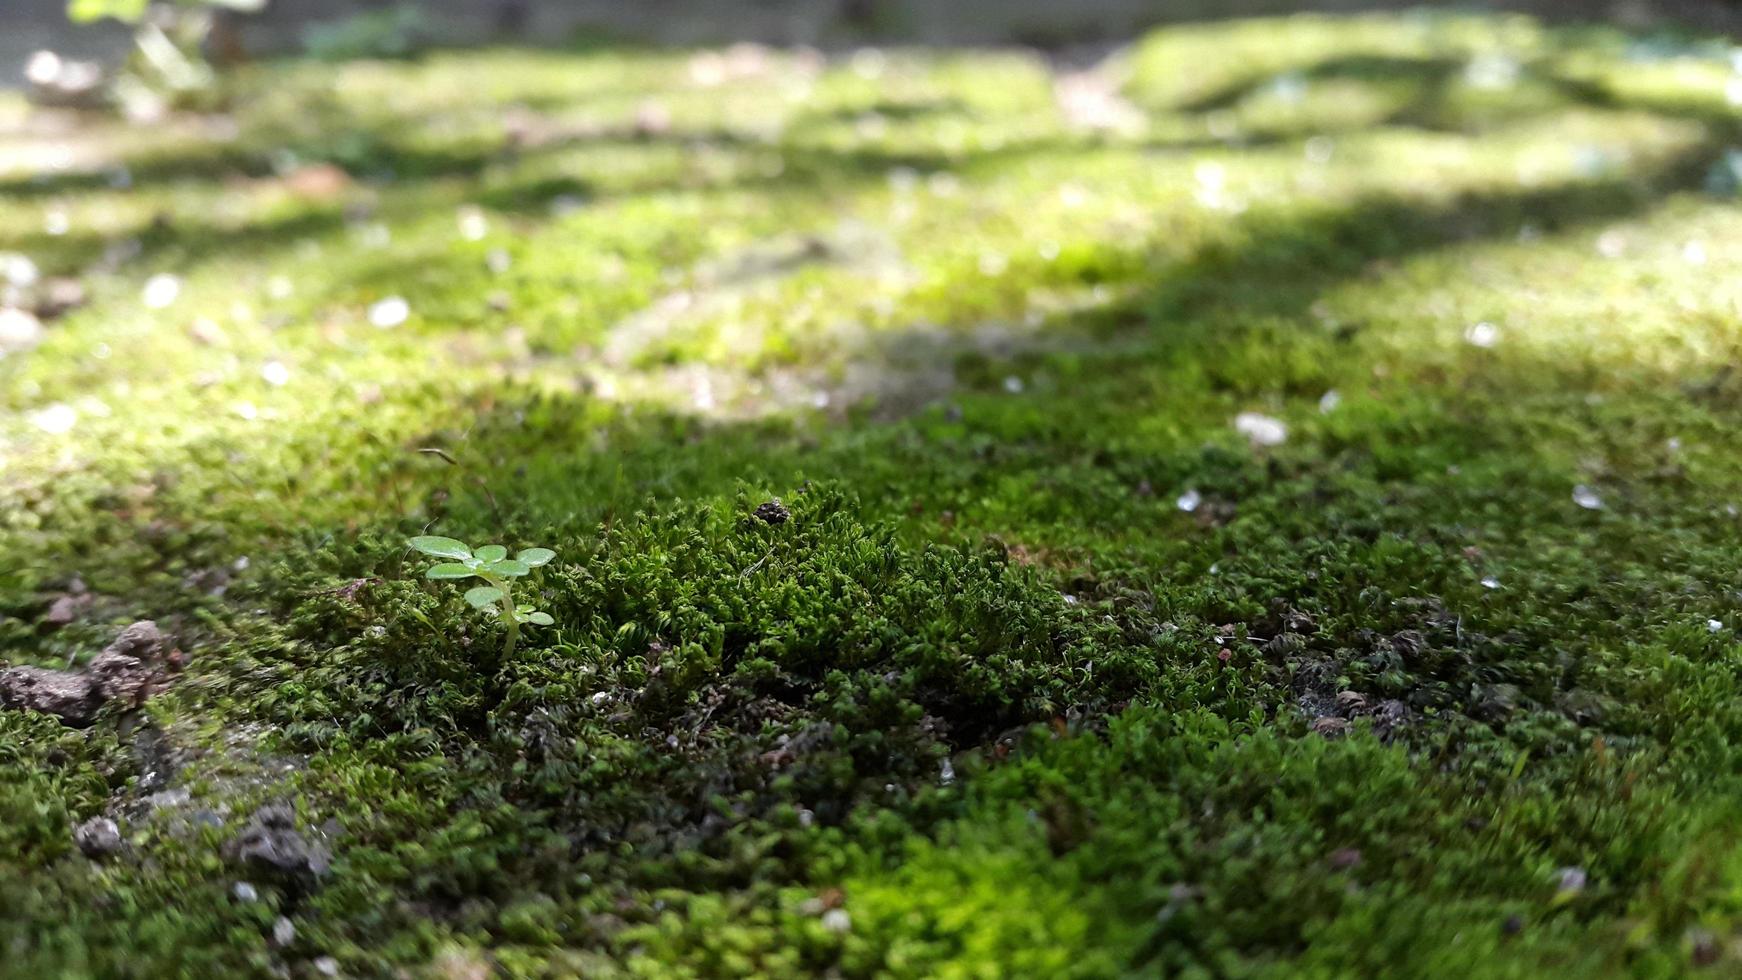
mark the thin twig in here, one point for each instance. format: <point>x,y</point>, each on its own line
<point>437,451</point>
<point>746,572</point>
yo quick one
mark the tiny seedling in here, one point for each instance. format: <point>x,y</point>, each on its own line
<point>492,564</point>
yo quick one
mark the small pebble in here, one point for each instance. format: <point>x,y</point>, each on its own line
<point>1587,498</point>
<point>18,270</point>
<point>161,290</point>
<point>1261,430</point>
<point>283,931</point>
<point>390,312</point>
<point>1570,880</point>
<point>245,892</point>
<point>56,420</point>
<point>98,837</point>
<point>1483,334</point>
<point>473,225</point>
<point>1189,501</point>
<point>19,330</point>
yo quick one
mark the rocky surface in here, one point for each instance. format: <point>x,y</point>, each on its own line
<point>127,670</point>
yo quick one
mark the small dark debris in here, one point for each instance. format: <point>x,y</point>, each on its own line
<point>1285,644</point>
<point>1390,720</point>
<point>98,838</point>
<point>773,512</point>
<point>57,296</point>
<point>1513,925</point>
<point>1705,947</point>
<point>1345,858</point>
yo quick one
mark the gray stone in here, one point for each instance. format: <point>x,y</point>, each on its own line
<point>119,677</point>
<point>99,837</point>
<point>271,844</point>
<point>73,698</point>
<point>142,640</point>
<point>61,612</point>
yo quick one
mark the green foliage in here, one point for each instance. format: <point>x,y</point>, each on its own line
<point>86,11</point>
<point>492,564</point>
<point>390,32</point>
<point>132,11</point>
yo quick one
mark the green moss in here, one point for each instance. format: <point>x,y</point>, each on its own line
<point>991,702</point>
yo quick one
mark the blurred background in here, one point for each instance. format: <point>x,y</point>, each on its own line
<point>283,26</point>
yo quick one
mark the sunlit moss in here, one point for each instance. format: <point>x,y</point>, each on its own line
<point>1051,671</point>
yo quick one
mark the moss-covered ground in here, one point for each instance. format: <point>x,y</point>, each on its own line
<point>1054,670</point>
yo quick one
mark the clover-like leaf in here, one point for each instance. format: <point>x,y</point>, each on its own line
<point>483,595</point>
<point>490,553</point>
<point>508,568</point>
<point>450,570</point>
<point>540,619</point>
<point>440,547</point>
<point>534,557</point>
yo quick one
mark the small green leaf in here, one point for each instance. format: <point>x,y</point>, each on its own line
<point>508,568</point>
<point>483,595</point>
<point>85,11</point>
<point>524,607</point>
<point>449,570</point>
<point>491,552</point>
<point>440,547</point>
<point>540,619</point>
<point>534,557</point>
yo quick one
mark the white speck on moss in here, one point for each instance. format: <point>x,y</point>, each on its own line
<point>1261,430</point>
<point>161,290</point>
<point>56,420</point>
<point>390,312</point>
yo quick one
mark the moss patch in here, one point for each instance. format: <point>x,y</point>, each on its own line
<point>1051,670</point>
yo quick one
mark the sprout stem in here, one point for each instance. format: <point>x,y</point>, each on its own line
<point>510,616</point>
